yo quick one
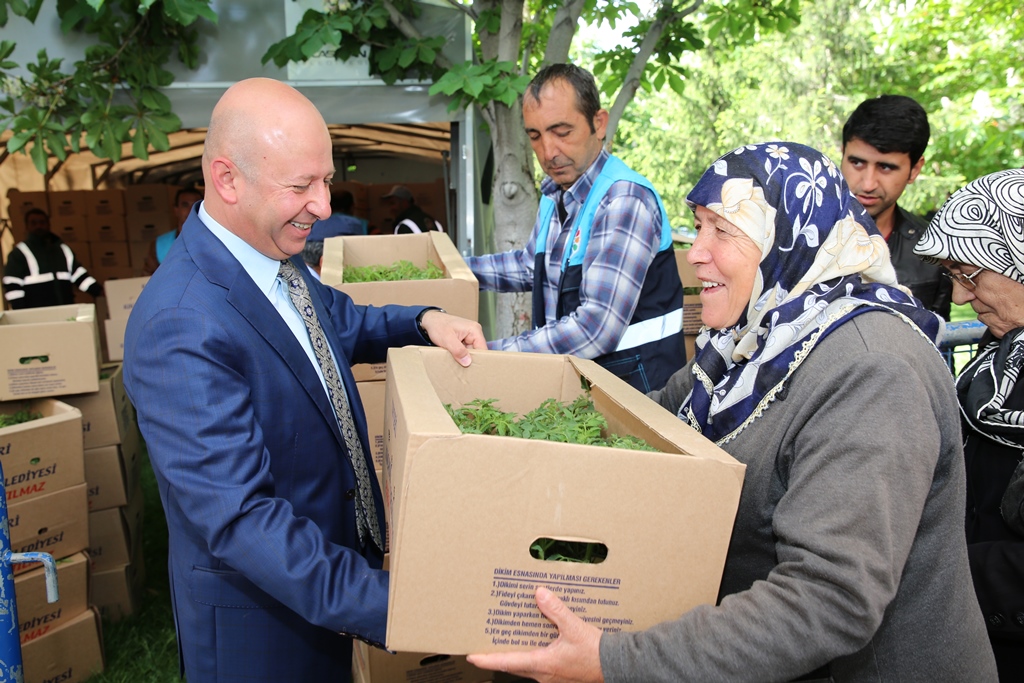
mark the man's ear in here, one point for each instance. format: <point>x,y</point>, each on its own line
<point>225,177</point>
<point>916,170</point>
<point>601,123</point>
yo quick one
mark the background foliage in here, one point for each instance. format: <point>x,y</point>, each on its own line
<point>958,58</point>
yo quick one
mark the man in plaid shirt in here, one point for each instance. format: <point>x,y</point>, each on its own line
<point>600,260</point>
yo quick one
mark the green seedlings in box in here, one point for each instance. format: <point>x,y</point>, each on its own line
<point>399,270</point>
<point>576,422</point>
<point>555,550</point>
<point>23,415</point>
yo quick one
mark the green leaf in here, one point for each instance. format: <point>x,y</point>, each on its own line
<point>38,156</point>
<point>56,145</point>
<point>139,144</point>
<point>18,141</point>
<point>407,57</point>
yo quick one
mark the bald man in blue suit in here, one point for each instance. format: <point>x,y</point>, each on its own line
<point>270,576</point>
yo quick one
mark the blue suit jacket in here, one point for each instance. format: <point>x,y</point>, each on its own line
<point>254,477</point>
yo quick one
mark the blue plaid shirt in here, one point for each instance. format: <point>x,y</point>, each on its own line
<point>623,242</point>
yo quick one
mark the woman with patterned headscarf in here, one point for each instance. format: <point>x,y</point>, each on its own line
<point>819,372</point>
<point>978,235</point>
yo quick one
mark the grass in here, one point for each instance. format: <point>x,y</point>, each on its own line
<point>142,648</point>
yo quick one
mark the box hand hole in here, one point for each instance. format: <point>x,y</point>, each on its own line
<point>562,550</point>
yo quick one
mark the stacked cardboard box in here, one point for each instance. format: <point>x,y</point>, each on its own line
<point>457,293</point>
<point>120,298</point>
<point>109,230</point>
<point>665,517</point>
<point>691,302</point>
<point>48,353</point>
<point>113,456</point>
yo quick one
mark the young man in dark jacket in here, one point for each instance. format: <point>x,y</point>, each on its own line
<point>883,146</point>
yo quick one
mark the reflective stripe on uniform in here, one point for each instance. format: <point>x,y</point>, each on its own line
<point>69,256</point>
<point>651,330</point>
<point>16,294</point>
<point>85,284</point>
<point>30,258</point>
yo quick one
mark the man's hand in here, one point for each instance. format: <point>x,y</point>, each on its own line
<point>574,657</point>
<point>454,334</point>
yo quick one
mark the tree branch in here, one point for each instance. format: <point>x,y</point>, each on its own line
<point>563,29</point>
<point>665,15</point>
<point>469,10</point>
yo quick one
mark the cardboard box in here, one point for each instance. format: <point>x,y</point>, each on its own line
<point>492,497</point>
<point>691,302</point>
<point>20,202</point>
<point>147,227</point>
<point>137,252</point>
<point>104,203</point>
<point>105,274</point>
<point>56,523</point>
<point>372,396</point>
<point>113,339</point>
<point>117,592</point>
<point>122,295</point>
<point>458,292</point>
<point>147,199</point>
<point>37,616</point>
<point>49,351</point>
<point>72,230</point>
<point>68,203</point>
<point>109,228</point>
<point>107,414</point>
<point>114,533</point>
<point>69,654</point>
<point>373,665</point>
<point>109,255</point>
<point>370,372</point>
<point>42,455</point>
<point>84,256</point>
<point>112,472</point>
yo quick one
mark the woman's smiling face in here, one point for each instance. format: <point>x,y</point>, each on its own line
<point>725,260</point>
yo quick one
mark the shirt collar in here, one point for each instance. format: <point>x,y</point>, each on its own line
<point>262,269</point>
<point>581,188</point>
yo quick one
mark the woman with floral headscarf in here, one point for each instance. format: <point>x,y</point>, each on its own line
<point>978,235</point>
<point>819,372</point>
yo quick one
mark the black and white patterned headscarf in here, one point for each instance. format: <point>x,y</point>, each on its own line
<point>982,224</point>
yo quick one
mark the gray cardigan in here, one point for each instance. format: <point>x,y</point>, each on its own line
<point>848,548</point>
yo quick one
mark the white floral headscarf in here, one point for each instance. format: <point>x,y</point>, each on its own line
<point>822,262</point>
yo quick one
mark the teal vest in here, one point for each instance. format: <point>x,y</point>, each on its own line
<point>652,347</point>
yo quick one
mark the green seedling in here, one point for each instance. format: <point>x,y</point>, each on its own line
<point>399,270</point>
<point>555,550</point>
<point>23,415</point>
<point>576,422</point>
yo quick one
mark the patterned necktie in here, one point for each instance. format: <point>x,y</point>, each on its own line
<point>366,515</point>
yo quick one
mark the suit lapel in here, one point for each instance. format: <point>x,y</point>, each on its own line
<point>222,269</point>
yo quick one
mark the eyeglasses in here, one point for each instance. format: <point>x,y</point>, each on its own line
<point>964,280</point>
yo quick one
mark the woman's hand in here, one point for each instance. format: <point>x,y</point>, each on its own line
<point>574,657</point>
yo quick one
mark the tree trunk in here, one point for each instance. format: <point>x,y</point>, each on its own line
<point>514,196</point>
